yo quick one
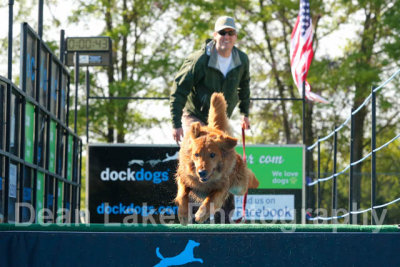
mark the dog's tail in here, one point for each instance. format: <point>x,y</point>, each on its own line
<point>217,117</point>
<point>159,254</point>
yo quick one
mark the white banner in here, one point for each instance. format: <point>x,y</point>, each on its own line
<point>266,207</point>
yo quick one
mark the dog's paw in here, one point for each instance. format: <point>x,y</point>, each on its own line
<point>184,220</point>
<point>183,216</point>
<point>201,215</point>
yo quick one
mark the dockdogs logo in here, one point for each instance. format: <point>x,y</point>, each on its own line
<point>129,175</point>
<point>154,162</point>
<point>139,175</point>
<point>186,256</point>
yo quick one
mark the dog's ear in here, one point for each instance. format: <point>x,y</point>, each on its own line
<point>228,142</point>
<point>195,130</point>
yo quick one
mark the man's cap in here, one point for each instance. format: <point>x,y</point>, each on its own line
<point>224,22</point>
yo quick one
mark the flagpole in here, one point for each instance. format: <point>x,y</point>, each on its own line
<point>304,112</point>
<point>305,189</point>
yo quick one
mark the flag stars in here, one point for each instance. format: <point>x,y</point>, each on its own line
<point>301,52</point>
<point>305,16</point>
<point>304,3</point>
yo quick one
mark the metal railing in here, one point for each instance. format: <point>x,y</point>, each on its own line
<point>349,167</point>
<point>40,156</point>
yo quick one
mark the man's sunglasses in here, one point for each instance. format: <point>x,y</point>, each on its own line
<point>230,33</point>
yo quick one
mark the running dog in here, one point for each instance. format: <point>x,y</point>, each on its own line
<point>186,256</point>
<point>209,168</point>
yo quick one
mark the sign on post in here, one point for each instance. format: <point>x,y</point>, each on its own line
<point>29,130</point>
<point>280,171</point>
<point>277,167</point>
<point>132,183</point>
<point>93,51</point>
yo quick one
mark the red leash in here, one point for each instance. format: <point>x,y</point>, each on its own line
<point>243,218</point>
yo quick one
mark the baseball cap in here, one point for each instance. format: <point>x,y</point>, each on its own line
<point>224,22</point>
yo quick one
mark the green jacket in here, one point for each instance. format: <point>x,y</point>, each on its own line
<point>200,76</point>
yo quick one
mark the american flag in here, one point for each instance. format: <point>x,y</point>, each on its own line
<point>301,51</point>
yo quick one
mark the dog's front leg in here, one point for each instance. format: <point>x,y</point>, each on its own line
<point>182,200</point>
<point>210,205</point>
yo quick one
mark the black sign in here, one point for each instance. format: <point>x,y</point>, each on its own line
<point>80,44</point>
<point>93,51</point>
<point>29,60</point>
<point>132,184</point>
<point>90,59</point>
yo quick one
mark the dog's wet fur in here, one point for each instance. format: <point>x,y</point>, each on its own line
<point>209,168</point>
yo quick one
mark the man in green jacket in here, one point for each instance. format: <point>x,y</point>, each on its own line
<point>217,67</point>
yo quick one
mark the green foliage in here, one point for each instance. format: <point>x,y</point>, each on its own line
<point>83,183</point>
<point>142,44</point>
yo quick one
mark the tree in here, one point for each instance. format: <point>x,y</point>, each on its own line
<point>366,61</point>
<point>141,33</point>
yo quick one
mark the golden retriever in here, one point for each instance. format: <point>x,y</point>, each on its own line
<point>209,168</point>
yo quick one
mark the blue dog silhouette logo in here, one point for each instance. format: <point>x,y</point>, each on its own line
<point>186,256</point>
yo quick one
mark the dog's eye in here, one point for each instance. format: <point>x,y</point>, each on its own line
<point>196,155</point>
<point>212,155</point>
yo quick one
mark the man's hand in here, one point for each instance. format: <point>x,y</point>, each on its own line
<point>245,123</point>
<point>177,134</point>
